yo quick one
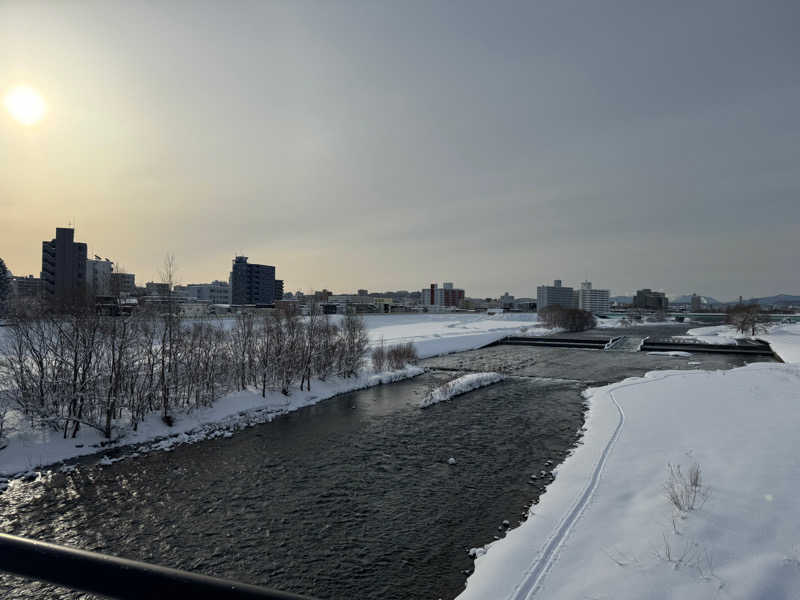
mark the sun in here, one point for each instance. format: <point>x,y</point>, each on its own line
<point>25,105</point>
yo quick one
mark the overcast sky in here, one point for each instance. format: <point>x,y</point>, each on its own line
<point>386,145</point>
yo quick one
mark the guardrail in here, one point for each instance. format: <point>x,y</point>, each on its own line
<point>119,578</point>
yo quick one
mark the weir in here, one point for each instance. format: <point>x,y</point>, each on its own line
<point>640,344</point>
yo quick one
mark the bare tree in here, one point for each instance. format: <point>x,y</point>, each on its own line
<point>746,318</point>
<point>171,328</point>
<point>353,345</point>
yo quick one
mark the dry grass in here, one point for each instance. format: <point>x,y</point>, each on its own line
<point>685,492</point>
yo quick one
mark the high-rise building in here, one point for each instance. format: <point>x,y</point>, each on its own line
<point>251,283</point>
<point>506,301</point>
<point>98,276</point>
<point>650,300</point>
<point>63,267</point>
<point>447,295</point>
<point>123,284</point>
<point>697,303</point>
<point>555,295</point>
<point>595,301</point>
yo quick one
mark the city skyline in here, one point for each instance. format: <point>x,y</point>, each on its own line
<point>389,144</point>
<point>120,266</point>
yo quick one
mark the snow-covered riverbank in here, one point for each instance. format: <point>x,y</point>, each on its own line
<point>605,529</point>
<point>30,448</point>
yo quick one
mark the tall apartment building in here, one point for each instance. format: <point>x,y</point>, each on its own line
<point>650,300</point>
<point>63,267</point>
<point>253,284</point>
<point>98,276</point>
<point>556,294</point>
<point>123,284</point>
<point>595,301</point>
<point>447,295</point>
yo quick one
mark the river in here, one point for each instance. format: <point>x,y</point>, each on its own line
<point>350,498</point>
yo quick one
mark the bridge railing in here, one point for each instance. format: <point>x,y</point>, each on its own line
<point>119,578</point>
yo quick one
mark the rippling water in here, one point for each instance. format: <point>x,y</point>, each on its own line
<point>351,498</point>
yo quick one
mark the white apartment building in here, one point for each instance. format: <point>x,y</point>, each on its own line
<point>595,301</point>
<point>98,276</point>
<point>216,292</point>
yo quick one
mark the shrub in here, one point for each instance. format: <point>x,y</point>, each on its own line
<point>378,356</point>
<point>684,491</point>
<point>399,355</point>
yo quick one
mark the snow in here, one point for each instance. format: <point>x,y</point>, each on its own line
<point>784,338</point>
<point>436,334</point>
<point>616,323</point>
<point>460,385</point>
<point>785,341</point>
<point>604,528</point>
<point>715,334</point>
<point>675,353</point>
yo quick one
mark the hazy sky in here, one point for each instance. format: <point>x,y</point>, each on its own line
<point>386,145</point>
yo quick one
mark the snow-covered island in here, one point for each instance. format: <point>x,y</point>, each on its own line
<point>460,385</point>
<point>606,527</point>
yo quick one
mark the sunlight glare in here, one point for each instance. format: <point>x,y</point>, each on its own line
<point>25,105</point>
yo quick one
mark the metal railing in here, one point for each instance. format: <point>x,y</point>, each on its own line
<point>119,578</point>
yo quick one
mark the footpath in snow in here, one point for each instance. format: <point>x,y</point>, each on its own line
<point>29,449</point>
<point>605,529</point>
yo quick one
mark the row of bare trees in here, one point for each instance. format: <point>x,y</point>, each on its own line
<point>571,319</point>
<point>65,371</point>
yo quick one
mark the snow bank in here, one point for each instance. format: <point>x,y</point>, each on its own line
<point>783,338</point>
<point>616,322</point>
<point>716,334</point>
<point>604,528</point>
<point>461,385</point>
<point>29,449</point>
<point>437,334</point>
<point>785,341</point>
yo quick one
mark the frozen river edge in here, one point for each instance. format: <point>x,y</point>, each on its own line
<point>604,527</point>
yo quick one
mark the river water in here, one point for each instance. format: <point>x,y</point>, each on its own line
<point>350,498</point>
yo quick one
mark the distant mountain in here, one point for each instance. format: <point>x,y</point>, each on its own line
<point>779,300</point>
